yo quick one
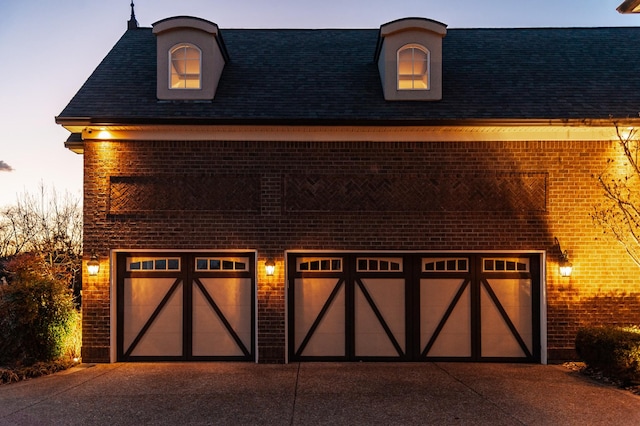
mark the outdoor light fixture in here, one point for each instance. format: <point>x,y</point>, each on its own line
<point>270,267</point>
<point>565,266</point>
<point>93,265</point>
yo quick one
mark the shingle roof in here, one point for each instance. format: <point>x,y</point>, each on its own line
<point>330,75</point>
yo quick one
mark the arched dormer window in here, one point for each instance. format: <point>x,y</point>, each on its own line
<point>185,62</point>
<point>413,67</point>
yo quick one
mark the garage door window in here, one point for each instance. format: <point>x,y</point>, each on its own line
<point>153,264</point>
<point>319,264</point>
<point>379,264</point>
<point>445,265</point>
<point>505,265</point>
<point>221,264</point>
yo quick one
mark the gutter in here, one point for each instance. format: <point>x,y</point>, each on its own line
<point>82,122</point>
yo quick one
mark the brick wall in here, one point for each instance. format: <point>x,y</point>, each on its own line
<point>496,196</point>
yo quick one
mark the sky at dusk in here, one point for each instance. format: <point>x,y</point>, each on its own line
<point>49,48</point>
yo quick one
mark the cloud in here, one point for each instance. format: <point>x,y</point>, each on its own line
<point>4,167</point>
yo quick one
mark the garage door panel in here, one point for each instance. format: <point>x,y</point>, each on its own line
<point>159,343</point>
<point>163,333</point>
<point>371,337</point>
<point>445,317</point>
<point>506,318</point>
<point>142,296</point>
<point>234,299</point>
<point>515,297</point>
<point>325,342</point>
<point>211,335</point>
<point>315,307</point>
<point>497,338</point>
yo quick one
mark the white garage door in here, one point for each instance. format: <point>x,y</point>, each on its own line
<point>180,306</point>
<point>414,307</point>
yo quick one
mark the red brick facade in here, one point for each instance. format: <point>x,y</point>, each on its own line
<point>358,196</point>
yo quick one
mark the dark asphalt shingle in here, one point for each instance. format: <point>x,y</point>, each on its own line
<point>330,75</point>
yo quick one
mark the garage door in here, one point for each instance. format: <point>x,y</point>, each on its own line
<point>414,307</point>
<point>198,306</point>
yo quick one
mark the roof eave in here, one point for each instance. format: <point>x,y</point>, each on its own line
<point>629,6</point>
<point>193,121</point>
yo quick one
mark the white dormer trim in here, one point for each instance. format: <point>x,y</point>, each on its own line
<point>196,32</point>
<point>396,35</point>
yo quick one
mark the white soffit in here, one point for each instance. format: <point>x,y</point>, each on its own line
<point>350,133</point>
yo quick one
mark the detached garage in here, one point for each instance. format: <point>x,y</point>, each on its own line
<point>413,188</point>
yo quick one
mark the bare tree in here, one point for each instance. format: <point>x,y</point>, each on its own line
<point>619,213</point>
<point>46,224</point>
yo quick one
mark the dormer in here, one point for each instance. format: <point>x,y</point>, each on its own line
<point>409,58</point>
<point>190,58</point>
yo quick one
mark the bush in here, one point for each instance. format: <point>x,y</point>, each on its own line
<point>613,350</point>
<point>38,319</point>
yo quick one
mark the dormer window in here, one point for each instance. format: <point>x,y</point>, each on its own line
<point>190,58</point>
<point>409,58</point>
<point>413,68</point>
<point>186,67</point>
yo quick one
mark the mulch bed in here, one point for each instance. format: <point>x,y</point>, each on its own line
<point>13,374</point>
<point>600,377</point>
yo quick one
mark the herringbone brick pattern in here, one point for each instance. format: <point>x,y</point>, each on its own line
<point>430,193</point>
<point>132,194</point>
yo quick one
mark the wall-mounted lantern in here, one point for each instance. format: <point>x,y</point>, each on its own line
<point>93,265</point>
<point>565,266</point>
<point>270,267</point>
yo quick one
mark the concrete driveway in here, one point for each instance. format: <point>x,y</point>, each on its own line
<point>316,393</point>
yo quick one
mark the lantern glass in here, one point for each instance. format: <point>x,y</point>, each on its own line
<point>565,269</point>
<point>93,266</point>
<point>270,267</point>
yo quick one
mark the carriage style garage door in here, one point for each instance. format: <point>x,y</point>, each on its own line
<point>177,306</point>
<point>413,307</point>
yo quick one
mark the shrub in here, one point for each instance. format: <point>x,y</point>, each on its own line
<point>613,350</point>
<point>38,319</point>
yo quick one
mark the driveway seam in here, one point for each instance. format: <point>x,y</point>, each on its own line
<point>478,393</point>
<point>295,397</point>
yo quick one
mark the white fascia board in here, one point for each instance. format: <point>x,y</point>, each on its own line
<point>353,133</point>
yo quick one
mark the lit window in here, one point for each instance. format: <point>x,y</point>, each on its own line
<point>153,264</point>
<point>516,265</point>
<point>185,62</point>
<point>218,264</point>
<point>366,264</point>
<point>319,264</point>
<point>443,264</point>
<point>413,68</point>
